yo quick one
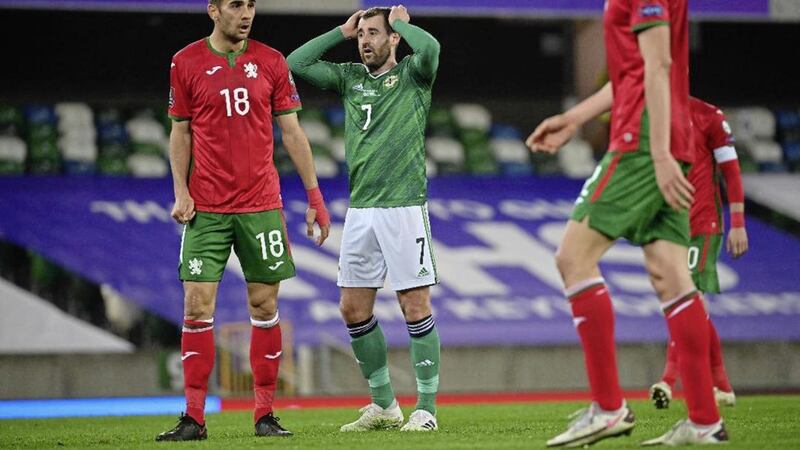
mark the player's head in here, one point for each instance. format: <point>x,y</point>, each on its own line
<point>377,40</point>
<point>232,18</point>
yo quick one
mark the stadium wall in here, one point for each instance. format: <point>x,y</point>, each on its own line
<point>753,367</point>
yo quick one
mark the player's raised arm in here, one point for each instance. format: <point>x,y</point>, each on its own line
<point>426,47</point>
<point>305,61</point>
<point>296,143</point>
<point>557,130</point>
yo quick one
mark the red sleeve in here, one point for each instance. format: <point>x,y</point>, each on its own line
<point>648,13</point>
<point>733,180</point>
<point>719,132</point>
<point>720,140</point>
<point>178,93</point>
<point>285,98</point>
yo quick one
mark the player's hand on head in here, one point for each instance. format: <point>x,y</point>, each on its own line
<point>737,244</point>
<point>183,211</point>
<point>676,189</point>
<point>551,134</point>
<point>399,12</point>
<point>350,28</point>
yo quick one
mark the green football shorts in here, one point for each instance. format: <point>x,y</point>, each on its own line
<point>259,240</point>
<point>622,200</point>
<point>703,253</point>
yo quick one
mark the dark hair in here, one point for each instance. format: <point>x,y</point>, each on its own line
<point>215,2</point>
<point>379,11</point>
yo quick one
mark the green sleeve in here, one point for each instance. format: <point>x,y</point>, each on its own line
<point>305,62</point>
<point>425,60</point>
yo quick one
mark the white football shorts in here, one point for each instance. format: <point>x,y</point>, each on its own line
<point>381,241</point>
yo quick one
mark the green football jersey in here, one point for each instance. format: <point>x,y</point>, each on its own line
<point>385,117</point>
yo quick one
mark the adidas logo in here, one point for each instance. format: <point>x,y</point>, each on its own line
<point>429,425</point>
<point>425,363</point>
<point>423,273</point>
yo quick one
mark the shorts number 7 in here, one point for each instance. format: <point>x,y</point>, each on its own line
<point>421,249</point>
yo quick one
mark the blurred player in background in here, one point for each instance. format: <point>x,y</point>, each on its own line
<point>638,192</point>
<point>714,155</point>
<point>386,228</point>
<point>225,91</point>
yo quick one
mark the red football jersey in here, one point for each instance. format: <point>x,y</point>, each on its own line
<point>231,100</point>
<point>713,144</point>
<point>622,20</point>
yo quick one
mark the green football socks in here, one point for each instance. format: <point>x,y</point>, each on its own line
<point>369,347</point>
<point>426,358</point>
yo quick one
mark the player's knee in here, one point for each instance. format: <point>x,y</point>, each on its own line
<point>264,310</point>
<point>197,305</point>
<point>414,311</point>
<point>415,303</point>
<point>566,263</point>
<point>667,281</point>
<point>352,312</point>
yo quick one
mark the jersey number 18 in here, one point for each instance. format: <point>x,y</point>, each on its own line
<point>241,101</point>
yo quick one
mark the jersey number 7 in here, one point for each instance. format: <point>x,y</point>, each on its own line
<point>368,109</point>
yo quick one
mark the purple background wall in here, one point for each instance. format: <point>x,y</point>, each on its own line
<point>494,240</point>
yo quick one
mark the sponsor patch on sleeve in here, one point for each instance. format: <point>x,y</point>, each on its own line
<point>650,11</point>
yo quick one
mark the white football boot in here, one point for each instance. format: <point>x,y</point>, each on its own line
<point>593,424</point>
<point>685,432</point>
<point>373,417</point>
<point>421,420</point>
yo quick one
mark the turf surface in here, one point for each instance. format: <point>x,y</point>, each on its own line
<point>756,422</point>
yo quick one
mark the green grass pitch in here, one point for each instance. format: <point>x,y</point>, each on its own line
<point>756,422</point>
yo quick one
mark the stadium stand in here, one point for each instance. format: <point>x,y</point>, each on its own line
<point>77,139</point>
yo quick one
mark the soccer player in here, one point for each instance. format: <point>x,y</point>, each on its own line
<point>386,229</point>
<point>225,91</point>
<point>638,192</point>
<point>714,154</point>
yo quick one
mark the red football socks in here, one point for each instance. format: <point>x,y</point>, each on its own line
<point>688,325</point>
<point>197,353</point>
<point>265,353</point>
<point>593,316</point>
<point>718,373</point>
<point>671,367</point>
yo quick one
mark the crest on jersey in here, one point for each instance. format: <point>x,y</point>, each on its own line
<point>390,81</point>
<point>251,70</point>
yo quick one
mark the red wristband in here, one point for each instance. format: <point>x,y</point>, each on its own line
<point>737,220</point>
<point>314,196</point>
<point>316,202</point>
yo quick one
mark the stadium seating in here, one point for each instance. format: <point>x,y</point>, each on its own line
<point>13,152</point>
<point>446,153</point>
<point>788,121</point>
<point>576,160</point>
<point>755,131</point>
<point>512,155</point>
<point>77,139</point>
